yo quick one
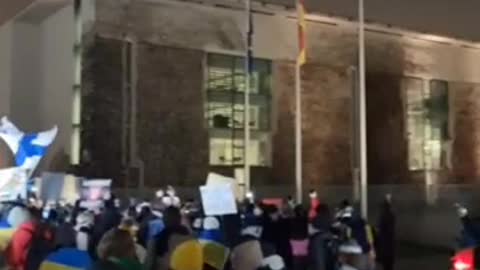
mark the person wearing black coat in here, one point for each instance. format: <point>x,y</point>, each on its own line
<point>385,243</point>
<point>109,219</point>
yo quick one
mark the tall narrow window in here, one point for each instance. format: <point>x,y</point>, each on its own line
<point>427,106</point>
<point>225,86</point>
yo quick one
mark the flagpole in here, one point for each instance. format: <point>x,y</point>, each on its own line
<point>246,112</point>
<point>298,133</point>
<point>301,59</point>
<point>362,106</point>
<point>75,140</point>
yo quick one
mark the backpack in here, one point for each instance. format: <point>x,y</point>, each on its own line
<point>41,246</point>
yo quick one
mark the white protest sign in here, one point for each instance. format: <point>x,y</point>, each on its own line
<point>13,183</point>
<point>59,186</point>
<point>51,186</point>
<point>217,179</point>
<point>94,192</point>
<point>218,200</point>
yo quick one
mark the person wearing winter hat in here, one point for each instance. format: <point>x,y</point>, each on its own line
<point>211,230</point>
<point>248,254</point>
<point>83,229</point>
<point>161,247</point>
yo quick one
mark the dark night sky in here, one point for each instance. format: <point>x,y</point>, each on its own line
<point>455,18</point>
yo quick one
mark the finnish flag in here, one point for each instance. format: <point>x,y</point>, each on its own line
<point>28,149</point>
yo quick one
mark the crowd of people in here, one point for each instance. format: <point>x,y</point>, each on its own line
<point>166,234</point>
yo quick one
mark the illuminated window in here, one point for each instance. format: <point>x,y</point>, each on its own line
<point>225,84</point>
<point>427,123</point>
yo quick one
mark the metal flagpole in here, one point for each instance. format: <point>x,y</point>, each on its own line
<point>246,112</point>
<point>77,82</point>
<point>298,133</point>
<point>301,59</point>
<point>362,107</point>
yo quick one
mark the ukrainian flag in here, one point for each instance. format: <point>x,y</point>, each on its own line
<point>67,259</point>
<point>6,235</point>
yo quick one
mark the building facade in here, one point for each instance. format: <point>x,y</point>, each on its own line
<point>163,82</point>
<point>173,71</point>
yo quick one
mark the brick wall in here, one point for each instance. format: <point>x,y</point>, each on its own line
<point>465,99</point>
<point>172,132</point>
<point>386,141</point>
<point>326,113</point>
<point>102,109</point>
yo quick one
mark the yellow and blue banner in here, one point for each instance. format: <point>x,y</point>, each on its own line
<point>67,259</point>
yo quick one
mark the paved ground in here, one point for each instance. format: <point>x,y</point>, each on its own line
<point>411,257</point>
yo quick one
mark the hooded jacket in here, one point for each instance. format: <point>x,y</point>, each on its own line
<point>18,250</point>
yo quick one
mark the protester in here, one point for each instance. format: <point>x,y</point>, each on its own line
<point>18,215</point>
<point>211,230</point>
<point>276,231</point>
<point>258,237</point>
<point>129,225</point>
<point>149,224</point>
<point>299,238</point>
<point>360,231</point>
<point>321,257</point>
<point>116,251</point>
<point>171,198</point>
<point>83,231</point>
<point>248,253</point>
<point>160,249</point>
<point>314,203</point>
<point>30,245</point>
<point>386,235</point>
<point>65,234</point>
<point>108,219</point>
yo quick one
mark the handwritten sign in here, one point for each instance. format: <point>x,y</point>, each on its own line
<point>218,200</point>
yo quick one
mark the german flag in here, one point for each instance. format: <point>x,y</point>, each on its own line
<point>302,25</point>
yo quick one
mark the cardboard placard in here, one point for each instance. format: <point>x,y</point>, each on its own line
<point>13,183</point>
<point>218,200</point>
<point>217,179</point>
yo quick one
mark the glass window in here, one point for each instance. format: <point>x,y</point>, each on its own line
<point>228,152</point>
<point>427,124</point>
<point>225,85</point>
